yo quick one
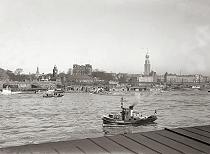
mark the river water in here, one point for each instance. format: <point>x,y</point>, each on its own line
<point>30,118</point>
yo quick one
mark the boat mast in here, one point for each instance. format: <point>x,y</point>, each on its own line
<point>123,109</point>
<point>122,102</point>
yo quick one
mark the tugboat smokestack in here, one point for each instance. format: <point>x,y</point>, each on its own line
<point>131,110</point>
<point>131,113</point>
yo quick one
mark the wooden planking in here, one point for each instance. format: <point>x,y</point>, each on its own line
<point>87,146</point>
<point>193,140</point>
<point>197,131</point>
<point>131,144</point>
<point>186,141</point>
<point>32,149</point>
<point>203,128</point>
<point>171,143</point>
<point>46,148</point>
<point>203,139</point>
<point>157,146</point>
<point>65,148</point>
<point>109,145</point>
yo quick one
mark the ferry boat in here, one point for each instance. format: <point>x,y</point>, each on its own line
<point>128,117</point>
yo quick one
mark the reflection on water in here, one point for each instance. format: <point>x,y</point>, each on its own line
<point>124,129</point>
<point>30,118</point>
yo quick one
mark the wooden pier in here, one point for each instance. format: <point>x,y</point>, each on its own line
<point>191,140</point>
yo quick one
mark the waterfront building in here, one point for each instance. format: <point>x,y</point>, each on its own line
<point>88,69</point>
<point>3,75</point>
<point>45,84</point>
<point>79,80</point>
<point>147,65</point>
<point>44,77</point>
<point>82,69</point>
<point>123,77</point>
<point>160,78</point>
<point>16,86</point>
<point>140,79</point>
<point>145,79</point>
<point>153,74</point>
<point>174,78</point>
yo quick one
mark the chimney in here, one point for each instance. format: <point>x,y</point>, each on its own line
<point>131,110</point>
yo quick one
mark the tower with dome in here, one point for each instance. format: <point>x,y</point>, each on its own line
<point>147,65</point>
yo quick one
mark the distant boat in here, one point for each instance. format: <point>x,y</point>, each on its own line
<point>196,87</point>
<point>52,93</point>
<point>6,91</point>
<point>16,92</point>
<point>128,116</point>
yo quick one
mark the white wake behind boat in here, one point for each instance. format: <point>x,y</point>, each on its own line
<point>6,91</point>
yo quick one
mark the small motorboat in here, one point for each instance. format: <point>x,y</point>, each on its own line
<point>128,117</point>
<point>8,91</point>
<point>52,93</point>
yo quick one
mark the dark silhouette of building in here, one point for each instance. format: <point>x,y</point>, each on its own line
<point>55,71</point>
<point>3,75</point>
<point>37,72</point>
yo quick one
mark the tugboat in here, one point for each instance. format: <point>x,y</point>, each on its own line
<point>128,117</point>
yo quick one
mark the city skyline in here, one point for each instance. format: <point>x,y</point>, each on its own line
<point>113,36</point>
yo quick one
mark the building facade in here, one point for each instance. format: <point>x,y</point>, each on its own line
<point>82,69</point>
<point>3,75</point>
<point>173,78</point>
<point>145,79</point>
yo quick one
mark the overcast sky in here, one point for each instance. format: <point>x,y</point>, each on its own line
<point>112,35</point>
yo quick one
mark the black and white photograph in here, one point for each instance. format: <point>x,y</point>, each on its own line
<point>104,76</point>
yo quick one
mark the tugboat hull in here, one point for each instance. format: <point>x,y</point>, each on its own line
<point>128,117</point>
<point>133,121</point>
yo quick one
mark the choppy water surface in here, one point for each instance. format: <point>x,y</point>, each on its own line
<point>30,118</point>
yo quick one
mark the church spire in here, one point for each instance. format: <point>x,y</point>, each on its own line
<point>37,71</point>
